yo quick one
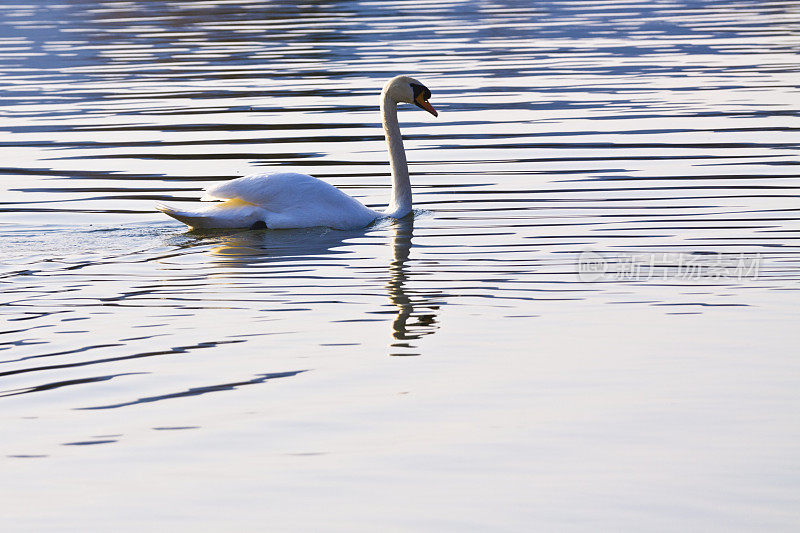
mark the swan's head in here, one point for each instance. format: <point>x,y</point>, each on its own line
<point>410,91</point>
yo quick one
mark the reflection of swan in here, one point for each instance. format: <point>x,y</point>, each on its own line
<point>415,310</point>
<point>289,200</point>
<point>425,324</point>
<point>252,247</point>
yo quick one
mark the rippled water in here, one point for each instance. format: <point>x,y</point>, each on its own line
<point>596,297</point>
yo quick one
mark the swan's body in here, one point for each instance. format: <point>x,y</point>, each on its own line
<point>289,200</point>
<point>280,201</point>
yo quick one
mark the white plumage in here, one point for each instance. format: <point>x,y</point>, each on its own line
<point>280,201</point>
<point>290,200</point>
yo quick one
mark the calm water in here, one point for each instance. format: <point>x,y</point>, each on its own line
<point>590,323</point>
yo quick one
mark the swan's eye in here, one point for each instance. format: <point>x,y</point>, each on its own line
<point>421,93</point>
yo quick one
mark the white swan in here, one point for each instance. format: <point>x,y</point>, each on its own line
<point>289,200</point>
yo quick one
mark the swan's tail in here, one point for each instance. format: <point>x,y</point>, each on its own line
<point>191,219</point>
<point>220,215</point>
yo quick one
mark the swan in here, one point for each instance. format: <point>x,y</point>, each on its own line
<point>289,200</point>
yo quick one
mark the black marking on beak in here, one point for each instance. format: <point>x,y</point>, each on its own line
<point>421,89</point>
<point>421,96</point>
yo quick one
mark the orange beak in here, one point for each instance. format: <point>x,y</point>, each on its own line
<point>424,104</point>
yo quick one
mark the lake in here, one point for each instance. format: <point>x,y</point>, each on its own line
<point>590,322</point>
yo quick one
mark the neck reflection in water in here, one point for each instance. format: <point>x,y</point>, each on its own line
<point>415,309</point>
<point>424,304</point>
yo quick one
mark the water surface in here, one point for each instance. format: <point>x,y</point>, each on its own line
<point>589,322</point>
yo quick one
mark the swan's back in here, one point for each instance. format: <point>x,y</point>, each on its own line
<point>276,192</point>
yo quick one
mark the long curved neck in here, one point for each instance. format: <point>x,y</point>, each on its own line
<point>400,203</point>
